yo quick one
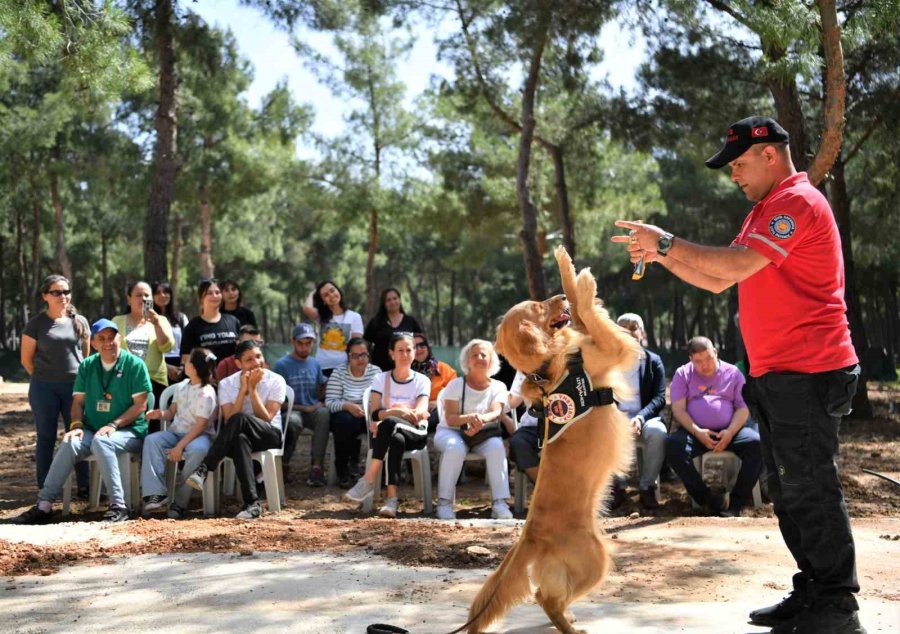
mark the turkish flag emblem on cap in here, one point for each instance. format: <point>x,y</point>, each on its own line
<point>761,131</point>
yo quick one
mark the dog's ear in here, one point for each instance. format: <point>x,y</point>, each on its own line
<point>532,340</point>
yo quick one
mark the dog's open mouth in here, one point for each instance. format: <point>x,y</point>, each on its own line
<point>561,321</point>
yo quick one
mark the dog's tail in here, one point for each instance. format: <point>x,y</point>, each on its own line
<point>508,586</point>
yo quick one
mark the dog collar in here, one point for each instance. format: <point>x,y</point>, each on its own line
<point>570,400</point>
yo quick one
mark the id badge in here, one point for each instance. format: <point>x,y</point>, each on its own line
<point>103,406</point>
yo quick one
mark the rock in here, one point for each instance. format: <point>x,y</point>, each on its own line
<point>479,551</point>
<point>246,553</point>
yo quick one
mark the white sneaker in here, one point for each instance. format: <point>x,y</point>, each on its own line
<point>390,508</point>
<point>445,510</point>
<point>500,510</point>
<point>360,491</point>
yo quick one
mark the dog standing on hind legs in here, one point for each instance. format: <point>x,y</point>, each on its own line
<point>561,550</point>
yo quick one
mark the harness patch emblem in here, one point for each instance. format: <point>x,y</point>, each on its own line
<point>782,227</point>
<point>560,408</point>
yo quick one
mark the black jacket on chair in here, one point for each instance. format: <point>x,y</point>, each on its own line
<point>653,386</point>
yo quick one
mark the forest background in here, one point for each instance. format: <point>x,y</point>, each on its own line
<point>129,150</point>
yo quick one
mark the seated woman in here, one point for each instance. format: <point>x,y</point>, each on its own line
<point>390,319</point>
<point>147,335</point>
<point>164,304</point>
<point>343,398</point>
<point>439,373</point>
<point>337,325</point>
<point>399,406</point>
<point>188,435</point>
<point>471,402</point>
<point>232,304</point>
<point>251,403</point>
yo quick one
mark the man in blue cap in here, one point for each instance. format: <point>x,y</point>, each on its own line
<point>108,403</point>
<point>788,267</point>
<point>302,372</point>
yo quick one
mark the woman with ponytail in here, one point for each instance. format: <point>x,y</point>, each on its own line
<point>54,343</point>
<point>188,436</point>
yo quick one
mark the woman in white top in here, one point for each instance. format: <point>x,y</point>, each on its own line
<point>188,434</point>
<point>469,403</point>
<point>337,325</point>
<point>399,421</point>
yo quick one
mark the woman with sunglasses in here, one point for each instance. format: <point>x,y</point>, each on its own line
<point>439,373</point>
<point>54,343</point>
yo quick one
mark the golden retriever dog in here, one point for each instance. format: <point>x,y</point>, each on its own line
<point>561,550</point>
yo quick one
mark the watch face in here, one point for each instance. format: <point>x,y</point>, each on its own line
<point>664,244</point>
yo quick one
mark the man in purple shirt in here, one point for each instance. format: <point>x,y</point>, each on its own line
<point>707,403</point>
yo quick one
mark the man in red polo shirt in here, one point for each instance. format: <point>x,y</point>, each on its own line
<point>787,264</point>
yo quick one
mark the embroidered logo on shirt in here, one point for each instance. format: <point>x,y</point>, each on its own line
<point>782,227</point>
<point>560,408</point>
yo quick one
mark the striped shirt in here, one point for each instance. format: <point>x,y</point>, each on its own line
<point>343,387</point>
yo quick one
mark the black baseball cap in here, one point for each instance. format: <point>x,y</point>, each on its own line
<point>743,134</point>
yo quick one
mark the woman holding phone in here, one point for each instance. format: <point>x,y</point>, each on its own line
<point>146,334</point>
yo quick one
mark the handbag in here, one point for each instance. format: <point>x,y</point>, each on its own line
<point>490,430</point>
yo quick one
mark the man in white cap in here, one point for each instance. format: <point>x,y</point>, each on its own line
<point>787,264</point>
<point>108,404</point>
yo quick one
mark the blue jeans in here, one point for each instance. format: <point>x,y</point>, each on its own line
<point>105,450</point>
<point>153,467</point>
<point>682,448</point>
<point>653,434</point>
<point>49,399</point>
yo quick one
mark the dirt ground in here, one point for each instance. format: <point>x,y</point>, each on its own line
<point>316,520</point>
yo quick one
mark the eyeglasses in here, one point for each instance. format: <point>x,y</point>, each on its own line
<point>66,292</point>
<point>359,355</point>
<point>421,344</point>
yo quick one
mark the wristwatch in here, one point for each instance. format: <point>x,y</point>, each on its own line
<point>664,244</point>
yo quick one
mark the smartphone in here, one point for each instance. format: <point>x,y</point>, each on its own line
<point>148,306</point>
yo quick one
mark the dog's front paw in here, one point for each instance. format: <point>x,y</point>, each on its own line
<point>563,259</point>
<point>587,287</point>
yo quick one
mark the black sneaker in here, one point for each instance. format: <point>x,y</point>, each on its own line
<point>175,512</point>
<point>822,618</point>
<point>196,479</point>
<point>316,477</point>
<point>250,512</point>
<point>784,610</point>
<point>347,481</point>
<point>34,516</point>
<point>83,494</point>
<point>116,514</point>
<point>155,502</point>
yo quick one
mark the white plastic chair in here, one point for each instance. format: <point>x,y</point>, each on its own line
<point>129,471</point>
<point>421,469</point>
<point>731,468</point>
<point>269,460</point>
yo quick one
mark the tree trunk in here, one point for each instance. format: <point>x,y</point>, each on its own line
<point>104,274</point>
<point>176,260</point>
<point>22,312</point>
<point>207,269</point>
<point>371,291</point>
<point>840,204</point>
<point>678,318</point>
<point>35,301</point>
<point>534,271</point>
<point>650,321</point>
<point>892,318</point>
<point>435,336</point>
<point>65,266</point>
<point>835,93</point>
<point>3,340</point>
<point>562,198</point>
<point>162,192</point>
<point>452,317</point>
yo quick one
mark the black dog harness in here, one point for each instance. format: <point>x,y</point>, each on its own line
<point>568,401</point>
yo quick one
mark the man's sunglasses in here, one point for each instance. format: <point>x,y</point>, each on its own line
<point>59,293</point>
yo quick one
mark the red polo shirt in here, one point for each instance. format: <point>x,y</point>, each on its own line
<point>792,310</point>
